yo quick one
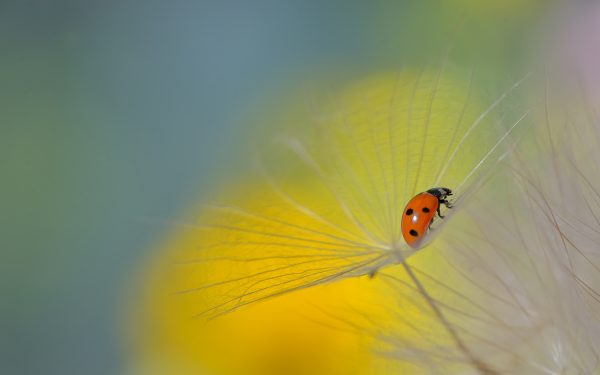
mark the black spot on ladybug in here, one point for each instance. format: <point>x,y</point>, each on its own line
<point>425,209</point>
<point>414,233</point>
<point>409,212</point>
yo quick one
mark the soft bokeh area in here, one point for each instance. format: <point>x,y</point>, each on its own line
<point>119,117</point>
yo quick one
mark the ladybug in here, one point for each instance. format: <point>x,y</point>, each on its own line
<point>419,213</point>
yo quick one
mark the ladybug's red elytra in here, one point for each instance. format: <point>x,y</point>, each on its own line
<point>419,213</point>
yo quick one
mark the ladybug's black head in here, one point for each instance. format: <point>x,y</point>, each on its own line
<point>440,192</point>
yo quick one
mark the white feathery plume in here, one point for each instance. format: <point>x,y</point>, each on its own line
<point>333,198</point>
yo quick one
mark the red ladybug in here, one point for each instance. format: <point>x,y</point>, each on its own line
<point>419,213</point>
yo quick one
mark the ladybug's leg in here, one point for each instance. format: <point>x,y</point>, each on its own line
<point>438,210</point>
<point>445,203</point>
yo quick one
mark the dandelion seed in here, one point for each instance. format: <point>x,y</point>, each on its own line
<point>329,199</point>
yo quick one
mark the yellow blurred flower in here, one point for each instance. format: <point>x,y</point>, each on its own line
<point>326,206</point>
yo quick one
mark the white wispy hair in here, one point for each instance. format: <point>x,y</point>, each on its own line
<point>330,204</point>
<point>515,288</point>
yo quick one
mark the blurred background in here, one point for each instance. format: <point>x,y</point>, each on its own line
<point>114,112</point>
